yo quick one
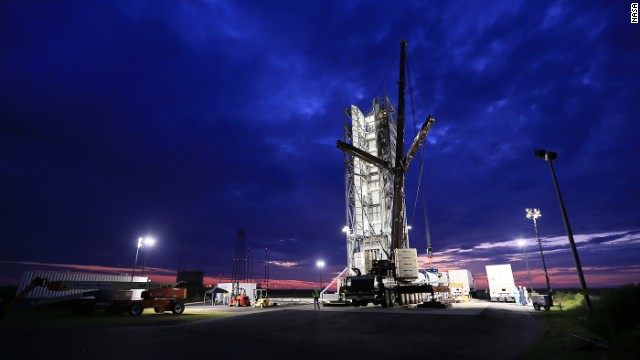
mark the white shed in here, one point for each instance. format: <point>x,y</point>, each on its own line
<point>245,289</point>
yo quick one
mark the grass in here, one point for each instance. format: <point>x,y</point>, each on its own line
<point>64,318</point>
<point>611,331</point>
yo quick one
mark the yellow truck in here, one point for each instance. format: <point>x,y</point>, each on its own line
<point>261,300</point>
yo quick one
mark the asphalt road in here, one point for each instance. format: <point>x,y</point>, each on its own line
<point>464,331</point>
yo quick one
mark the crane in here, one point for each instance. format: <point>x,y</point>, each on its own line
<point>391,266</point>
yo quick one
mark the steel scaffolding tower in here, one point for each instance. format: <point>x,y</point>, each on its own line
<point>369,188</point>
<point>239,273</point>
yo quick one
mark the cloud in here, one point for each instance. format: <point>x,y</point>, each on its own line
<point>285,264</point>
<point>194,119</point>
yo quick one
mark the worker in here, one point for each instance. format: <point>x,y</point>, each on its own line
<point>523,300</point>
<point>527,296</point>
<point>316,298</point>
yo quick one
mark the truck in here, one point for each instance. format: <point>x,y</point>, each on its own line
<point>461,283</point>
<point>261,299</point>
<point>500,282</point>
<point>240,300</point>
<point>389,282</point>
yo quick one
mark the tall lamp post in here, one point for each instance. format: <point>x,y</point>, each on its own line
<point>135,262</point>
<point>522,244</point>
<point>147,243</point>
<point>535,214</point>
<point>320,265</point>
<point>549,156</point>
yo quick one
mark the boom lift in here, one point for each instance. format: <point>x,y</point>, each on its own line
<point>390,263</point>
<point>34,283</point>
<point>114,295</point>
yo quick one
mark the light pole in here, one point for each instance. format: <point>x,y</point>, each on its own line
<point>267,254</point>
<point>135,262</point>
<point>320,265</point>
<point>549,156</point>
<point>147,243</point>
<point>522,244</point>
<point>534,214</point>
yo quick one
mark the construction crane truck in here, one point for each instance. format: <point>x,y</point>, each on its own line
<point>382,267</point>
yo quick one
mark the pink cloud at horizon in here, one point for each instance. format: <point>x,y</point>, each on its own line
<point>154,274</point>
<point>560,277</point>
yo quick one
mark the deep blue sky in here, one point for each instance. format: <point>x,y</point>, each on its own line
<point>188,120</point>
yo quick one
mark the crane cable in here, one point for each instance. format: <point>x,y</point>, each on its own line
<point>383,83</point>
<point>421,157</point>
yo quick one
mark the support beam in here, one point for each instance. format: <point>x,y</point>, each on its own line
<point>363,155</point>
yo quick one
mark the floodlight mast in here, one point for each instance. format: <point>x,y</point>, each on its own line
<point>534,214</point>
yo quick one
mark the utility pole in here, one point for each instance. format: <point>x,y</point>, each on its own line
<point>267,253</point>
<point>549,156</point>
<point>239,262</point>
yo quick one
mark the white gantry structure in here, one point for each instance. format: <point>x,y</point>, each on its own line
<point>369,188</point>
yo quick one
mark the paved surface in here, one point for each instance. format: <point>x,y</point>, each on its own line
<point>464,331</point>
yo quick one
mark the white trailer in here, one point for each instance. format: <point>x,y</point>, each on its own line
<point>461,283</point>
<point>501,283</point>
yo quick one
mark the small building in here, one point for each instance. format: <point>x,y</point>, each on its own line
<point>193,282</point>
<point>248,289</point>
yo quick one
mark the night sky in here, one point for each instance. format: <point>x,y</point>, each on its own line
<point>189,120</point>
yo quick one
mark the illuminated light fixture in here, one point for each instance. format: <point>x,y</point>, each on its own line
<point>320,264</point>
<point>148,242</point>
<point>533,214</point>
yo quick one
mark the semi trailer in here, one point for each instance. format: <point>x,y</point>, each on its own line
<point>501,283</point>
